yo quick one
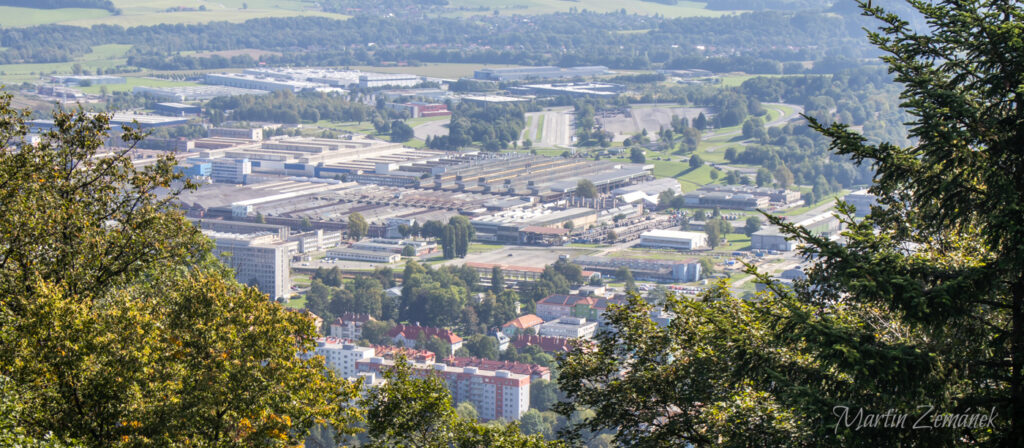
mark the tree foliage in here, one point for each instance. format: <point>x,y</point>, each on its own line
<point>119,328</point>
<point>923,305</point>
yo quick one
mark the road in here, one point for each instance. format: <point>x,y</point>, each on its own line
<point>432,128</point>
<point>557,128</point>
<point>777,107</point>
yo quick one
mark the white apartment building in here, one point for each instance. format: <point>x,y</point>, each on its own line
<point>339,355</point>
<point>494,393</point>
<point>568,327</point>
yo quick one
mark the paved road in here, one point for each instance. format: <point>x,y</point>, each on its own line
<point>557,128</point>
<point>432,128</point>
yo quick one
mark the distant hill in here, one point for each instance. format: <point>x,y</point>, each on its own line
<point>57,4</point>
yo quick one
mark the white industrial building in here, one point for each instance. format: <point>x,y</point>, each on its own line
<point>364,255</point>
<point>674,239</point>
<point>862,200</point>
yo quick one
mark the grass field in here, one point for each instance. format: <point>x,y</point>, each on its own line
<point>540,128</point>
<point>12,17</point>
<point>154,12</point>
<point>681,9</point>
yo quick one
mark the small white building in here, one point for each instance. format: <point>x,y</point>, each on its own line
<point>568,327</point>
<point>674,239</point>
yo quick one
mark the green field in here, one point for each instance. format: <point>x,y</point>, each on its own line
<point>540,128</point>
<point>11,16</point>
<point>681,9</point>
<point>154,12</point>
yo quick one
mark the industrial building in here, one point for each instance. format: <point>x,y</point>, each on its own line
<point>738,197</point>
<point>525,174</point>
<point>578,89</point>
<point>256,82</point>
<point>666,271</point>
<point>512,226</point>
<point>394,246</point>
<point>723,200</point>
<point>674,239</point>
<point>237,133</point>
<point>496,394</point>
<point>369,256</point>
<point>545,72</point>
<point>119,119</point>
<point>86,80</point>
<point>193,93</point>
<point>417,109</point>
<point>176,109</point>
<point>862,201</point>
<point>771,238</point>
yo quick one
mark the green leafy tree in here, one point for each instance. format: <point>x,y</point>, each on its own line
<point>623,274</point>
<point>482,346</point>
<point>764,177</point>
<point>696,161</point>
<point>119,327</point>
<point>636,155</point>
<point>497,280</point>
<point>783,176</point>
<point>401,132</point>
<point>753,225</point>
<point>922,304</point>
<point>585,188</point>
<point>408,251</point>
<point>357,226</point>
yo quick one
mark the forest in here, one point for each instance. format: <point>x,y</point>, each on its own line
<point>493,126</point>
<point>756,42</point>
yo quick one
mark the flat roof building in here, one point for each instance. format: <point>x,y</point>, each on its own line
<point>568,327</point>
<point>364,255</point>
<point>674,239</point>
<point>543,72</point>
<point>496,394</point>
<point>260,259</point>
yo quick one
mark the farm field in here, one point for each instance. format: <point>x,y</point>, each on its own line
<point>155,12</point>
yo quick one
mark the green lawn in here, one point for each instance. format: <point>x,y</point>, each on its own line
<point>299,302</point>
<point>21,17</point>
<point>413,122</point>
<point>540,128</point>
<point>155,12</point>
<point>476,248</point>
